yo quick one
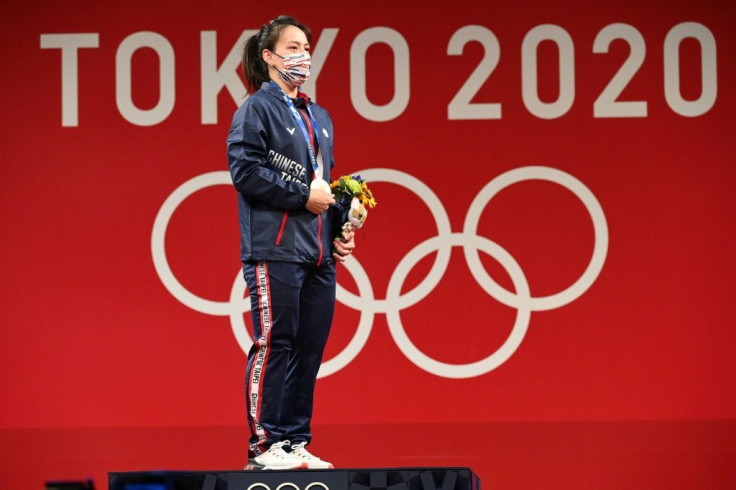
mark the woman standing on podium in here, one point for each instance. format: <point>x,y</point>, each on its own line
<point>280,156</point>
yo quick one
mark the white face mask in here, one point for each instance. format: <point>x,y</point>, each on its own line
<point>296,68</point>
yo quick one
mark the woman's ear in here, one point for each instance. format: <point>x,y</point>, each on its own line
<point>267,56</point>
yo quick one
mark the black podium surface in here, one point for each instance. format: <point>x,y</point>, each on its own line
<point>340,479</point>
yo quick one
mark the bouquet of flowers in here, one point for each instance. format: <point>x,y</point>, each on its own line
<point>353,198</point>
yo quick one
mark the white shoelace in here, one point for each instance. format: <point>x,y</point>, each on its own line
<point>277,451</point>
<point>301,451</point>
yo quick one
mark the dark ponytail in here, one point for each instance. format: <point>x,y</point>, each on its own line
<point>254,68</point>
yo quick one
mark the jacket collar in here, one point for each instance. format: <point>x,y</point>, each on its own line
<point>274,91</point>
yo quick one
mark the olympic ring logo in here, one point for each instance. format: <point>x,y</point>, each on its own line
<point>394,301</point>
<point>263,486</point>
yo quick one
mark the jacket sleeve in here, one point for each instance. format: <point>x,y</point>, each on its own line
<point>247,152</point>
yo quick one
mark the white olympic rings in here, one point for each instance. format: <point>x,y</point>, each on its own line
<point>394,302</point>
<point>294,486</point>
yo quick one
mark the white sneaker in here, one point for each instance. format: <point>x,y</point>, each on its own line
<point>312,461</point>
<point>276,459</point>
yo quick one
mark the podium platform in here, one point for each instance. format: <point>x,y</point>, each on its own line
<point>338,479</point>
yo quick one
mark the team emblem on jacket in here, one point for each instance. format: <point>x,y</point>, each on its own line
<point>290,170</point>
<point>291,130</point>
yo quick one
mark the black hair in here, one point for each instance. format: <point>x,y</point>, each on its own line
<point>254,68</point>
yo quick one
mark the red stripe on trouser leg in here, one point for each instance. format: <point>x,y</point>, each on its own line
<point>251,419</point>
<point>260,363</point>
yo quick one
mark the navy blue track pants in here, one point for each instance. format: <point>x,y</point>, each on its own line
<point>292,307</point>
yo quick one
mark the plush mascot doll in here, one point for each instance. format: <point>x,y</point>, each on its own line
<point>357,214</point>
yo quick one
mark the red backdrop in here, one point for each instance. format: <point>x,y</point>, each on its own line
<point>544,292</point>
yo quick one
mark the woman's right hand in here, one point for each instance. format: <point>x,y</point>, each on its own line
<point>319,201</point>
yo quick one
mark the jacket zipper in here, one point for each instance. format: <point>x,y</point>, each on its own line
<point>319,216</point>
<point>283,225</point>
<point>319,238</point>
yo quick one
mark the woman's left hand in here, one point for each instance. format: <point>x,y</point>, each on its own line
<point>344,247</point>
